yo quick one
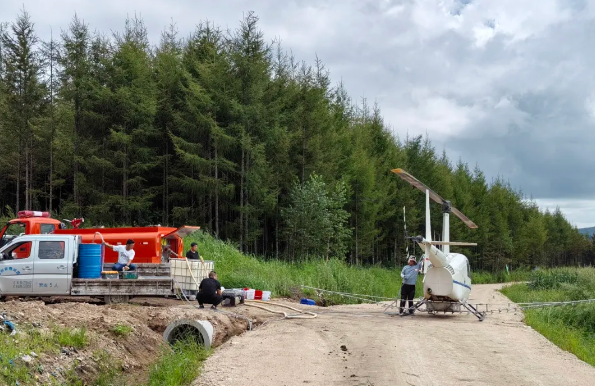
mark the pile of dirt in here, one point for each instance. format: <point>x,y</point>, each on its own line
<point>136,350</point>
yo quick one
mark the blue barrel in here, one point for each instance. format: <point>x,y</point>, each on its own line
<point>90,261</point>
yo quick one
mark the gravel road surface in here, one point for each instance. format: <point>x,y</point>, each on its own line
<point>359,345</point>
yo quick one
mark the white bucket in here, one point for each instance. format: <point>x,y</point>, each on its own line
<point>249,295</point>
<point>266,295</point>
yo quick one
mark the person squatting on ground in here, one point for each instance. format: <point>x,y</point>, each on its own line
<point>409,275</point>
<point>209,291</point>
<point>125,256</point>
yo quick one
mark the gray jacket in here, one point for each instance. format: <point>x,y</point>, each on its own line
<point>409,273</point>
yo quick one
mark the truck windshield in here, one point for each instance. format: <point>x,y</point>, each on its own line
<point>11,231</point>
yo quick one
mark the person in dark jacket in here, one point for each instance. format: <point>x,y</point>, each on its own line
<point>209,291</point>
<point>193,254</point>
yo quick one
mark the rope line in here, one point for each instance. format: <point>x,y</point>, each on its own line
<point>483,308</point>
<point>362,296</point>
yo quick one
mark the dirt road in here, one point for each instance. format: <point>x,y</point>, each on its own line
<point>383,350</point>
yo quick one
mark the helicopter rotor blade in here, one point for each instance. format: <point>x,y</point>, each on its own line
<point>459,243</point>
<point>433,195</point>
<point>463,218</point>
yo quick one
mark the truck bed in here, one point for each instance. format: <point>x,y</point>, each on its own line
<point>146,269</point>
<point>143,286</point>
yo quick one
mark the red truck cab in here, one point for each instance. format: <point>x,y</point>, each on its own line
<point>27,222</point>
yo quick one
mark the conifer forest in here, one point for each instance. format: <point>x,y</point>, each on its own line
<point>228,131</point>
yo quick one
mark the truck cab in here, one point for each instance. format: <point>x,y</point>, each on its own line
<point>27,222</point>
<point>31,264</point>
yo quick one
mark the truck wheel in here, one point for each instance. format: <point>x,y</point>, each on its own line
<point>114,299</point>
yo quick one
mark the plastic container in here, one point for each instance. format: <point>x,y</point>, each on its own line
<point>308,302</point>
<point>109,275</point>
<point>180,272</point>
<point>266,295</point>
<point>129,275</point>
<point>253,294</point>
<point>90,261</point>
<point>249,294</point>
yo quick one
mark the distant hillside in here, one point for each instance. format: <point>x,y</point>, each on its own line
<point>587,231</point>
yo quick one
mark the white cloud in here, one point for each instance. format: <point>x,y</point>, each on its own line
<point>442,117</point>
<point>483,34</point>
<point>590,106</point>
<point>580,213</point>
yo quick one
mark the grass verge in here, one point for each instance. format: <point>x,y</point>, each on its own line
<point>178,365</point>
<point>572,328</point>
<point>236,270</point>
<point>32,342</point>
<point>479,277</point>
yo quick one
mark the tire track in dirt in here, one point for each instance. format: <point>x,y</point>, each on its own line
<point>383,350</point>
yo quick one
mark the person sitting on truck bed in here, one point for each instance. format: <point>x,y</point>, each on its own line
<point>125,256</point>
<point>209,291</point>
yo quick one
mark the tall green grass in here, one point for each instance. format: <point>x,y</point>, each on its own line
<point>570,327</point>
<point>480,277</point>
<point>13,370</point>
<point>178,366</point>
<point>236,270</point>
<point>283,279</point>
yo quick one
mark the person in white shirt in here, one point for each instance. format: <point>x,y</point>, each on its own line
<point>125,256</point>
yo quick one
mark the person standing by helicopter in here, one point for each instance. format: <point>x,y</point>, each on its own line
<point>409,275</point>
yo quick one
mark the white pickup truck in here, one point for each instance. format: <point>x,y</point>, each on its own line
<point>46,266</point>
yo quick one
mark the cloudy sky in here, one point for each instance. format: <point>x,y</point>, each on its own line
<point>507,85</point>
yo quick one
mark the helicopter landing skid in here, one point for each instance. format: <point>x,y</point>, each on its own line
<point>481,316</point>
<point>410,311</point>
<point>452,307</point>
<point>435,307</point>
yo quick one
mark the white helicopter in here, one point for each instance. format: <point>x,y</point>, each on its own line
<point>447,281</point>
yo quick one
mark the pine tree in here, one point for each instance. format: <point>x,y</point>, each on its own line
<point>250,57</point>
<point>76,89</point>
<point>132,124</point>
<point>316,221</point>
<point>168,79</point>
<point>24,100</point>
<point>51,53</point>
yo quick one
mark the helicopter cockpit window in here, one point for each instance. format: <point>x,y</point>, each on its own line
<point>12,231</point>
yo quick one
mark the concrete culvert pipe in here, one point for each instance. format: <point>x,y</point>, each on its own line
<point>199,330</point>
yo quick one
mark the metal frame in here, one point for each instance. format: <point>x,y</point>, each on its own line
<point>470,308</point>
<point>157,286</point>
